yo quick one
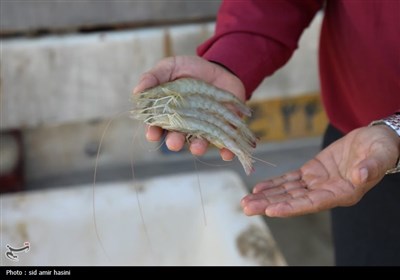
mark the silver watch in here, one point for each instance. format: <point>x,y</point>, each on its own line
<point>393,122</point>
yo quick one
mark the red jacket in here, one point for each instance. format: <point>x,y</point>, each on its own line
<point>359,54</point>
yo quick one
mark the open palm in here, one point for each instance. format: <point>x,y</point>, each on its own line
<point>338,176</point>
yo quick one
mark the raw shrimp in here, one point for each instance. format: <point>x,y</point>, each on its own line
<point>202,115</point>
<point>189,86</point>
<point>206,130</point>
<point>198,109</point>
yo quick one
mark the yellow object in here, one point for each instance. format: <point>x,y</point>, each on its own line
<point>288,118</point>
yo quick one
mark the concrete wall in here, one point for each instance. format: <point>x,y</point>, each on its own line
<point>27,16</point>
<point>58,79</point>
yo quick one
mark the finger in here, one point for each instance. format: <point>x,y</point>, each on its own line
<point>154,133</point>
<point>311,202</point>
<point>147,80</point>
<point>161,73</point>
<point>252,197</point>
<point>175,141</point>
<point>255,207</point>
<point>255,204</point>
<point>273,198</point>
<point>226,154</point>
<point>368,170</point>
<point>277,181</point>
<point>198,147</point>
<point>283,188</point>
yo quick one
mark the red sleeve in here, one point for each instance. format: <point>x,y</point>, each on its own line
<point>255,38</point>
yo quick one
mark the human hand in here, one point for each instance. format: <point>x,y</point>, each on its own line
<point>172,68</point>
<point>339,175</point>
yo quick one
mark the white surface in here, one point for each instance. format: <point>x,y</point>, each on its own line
<point>59,224</point>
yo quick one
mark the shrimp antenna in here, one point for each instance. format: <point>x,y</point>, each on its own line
<point>263,161</point>
<point>95,177</point>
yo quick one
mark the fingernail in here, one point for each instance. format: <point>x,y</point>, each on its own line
<point>172,145</point>
<point>227,159</point>
<point>363,174</point>
<point>147,133</point>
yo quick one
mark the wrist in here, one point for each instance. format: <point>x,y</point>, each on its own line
<point>391,126</point>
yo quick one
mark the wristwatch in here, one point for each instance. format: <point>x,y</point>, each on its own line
<point>393,122</point>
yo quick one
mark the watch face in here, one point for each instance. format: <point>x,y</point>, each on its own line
<point>394,122</point>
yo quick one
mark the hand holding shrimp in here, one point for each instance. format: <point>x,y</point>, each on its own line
<point>197,108</point>
<point>172,68</point>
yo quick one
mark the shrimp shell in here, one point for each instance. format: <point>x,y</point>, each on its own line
<point>205,104</point>
<point>205,116</point>
<point>198,109</point>
<point>210,105</point>
<point>206,130</point>
<point>190,86</point>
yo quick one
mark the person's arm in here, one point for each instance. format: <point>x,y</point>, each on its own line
<point>254,38</point>
<point>339,175</point>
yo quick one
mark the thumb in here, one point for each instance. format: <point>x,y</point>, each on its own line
<point>147,80</point>
<point>367,173</point>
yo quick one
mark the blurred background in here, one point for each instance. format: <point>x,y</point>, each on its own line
<point>68,68</point>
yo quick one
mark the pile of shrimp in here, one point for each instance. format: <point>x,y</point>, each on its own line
<point>198,109</point>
